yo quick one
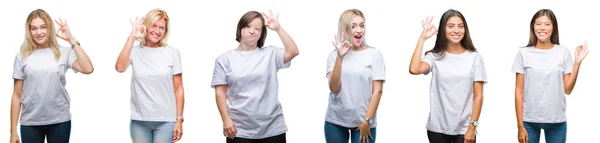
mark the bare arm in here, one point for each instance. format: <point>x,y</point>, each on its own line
<point>570,79</point>
<point>291,50</point>
<point>416,65</point>
<point>519,86</point>
<point>15,107</point>
<point>179,98</point>
<point>477,100</point>
<point>83,63</point>
<point>375,98</point>
<point>220,91</point>
<point>335,75</point>
<point>123,59</point>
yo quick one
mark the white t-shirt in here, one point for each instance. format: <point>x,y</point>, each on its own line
<point>44,99</point>
<point>348,107</point>
<point>152,92</point>
<point>451,90</point>
<point>544,93</point>
<point>252,88</point>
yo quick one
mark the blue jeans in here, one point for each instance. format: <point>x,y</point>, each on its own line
<point>554,132</point>
<point>339,134</point>
<point>55,133</point>
<point>151,132</point>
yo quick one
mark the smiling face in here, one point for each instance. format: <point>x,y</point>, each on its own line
<point>39,32</point>
<point>543,28</point>
<point>455,30</point>
<point>156,31</point>
<point>358,30</point>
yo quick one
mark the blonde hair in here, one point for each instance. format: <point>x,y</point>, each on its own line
<point>29,44</point>
<point>152,17</point>
<point>345,24</point>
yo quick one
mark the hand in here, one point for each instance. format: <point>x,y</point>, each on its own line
<point>365,132</point>
<point>428,28</point>
<point>272,21</point>
<point>580,52</point>
<point>177,131</point>
<point>229,129</point>
<point>14,138</point>
<point>63,31</point>
<point>523,137</point>
<point>342,46</point>
<point>137,29</point>
<point>470,135</point>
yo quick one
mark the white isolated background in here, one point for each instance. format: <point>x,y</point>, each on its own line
<point>203,30</point>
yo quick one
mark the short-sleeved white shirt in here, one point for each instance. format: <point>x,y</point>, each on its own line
<point>152,92</point>
<point>451,90</point>
<point>252,90</point>
<point>544,98</point>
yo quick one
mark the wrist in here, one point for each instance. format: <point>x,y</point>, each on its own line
<point>278,30</point>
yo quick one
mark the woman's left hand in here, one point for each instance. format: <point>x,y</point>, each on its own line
<point>177,131</point>
<point>365,132</point>
<point>470,135</point>
<point>271,20</point>
<point>63,31</point>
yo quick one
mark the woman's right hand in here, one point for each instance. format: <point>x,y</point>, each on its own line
<point>523,137</point>
<point>137,29</point>
<point>342,46</point>
<point>229,129</point>
<point>428,28</point>
<point>14,138</point>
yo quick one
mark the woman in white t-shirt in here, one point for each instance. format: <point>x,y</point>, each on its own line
<point>246,85</point>
<point>356,73</point>
<point>156,81</point>
<point>458,76</point>
<point>39,95</point>
<point>544,74</point>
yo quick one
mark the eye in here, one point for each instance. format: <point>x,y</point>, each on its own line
<point>32,28</point>
<point>461,26</point>
<point>537,24</point>
<point>161,28</point>
<point>362,26</point>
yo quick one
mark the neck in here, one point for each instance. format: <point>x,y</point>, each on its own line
<point>151,45</point>
<point>358,48</point>
<point>41,46</point>
<point>544,45</point>
<point>246,47</point>
<point>455,48</point>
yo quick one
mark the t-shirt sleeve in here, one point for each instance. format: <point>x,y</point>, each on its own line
<point>331,62</point>
<point>176,63</point>
<point>219,76</point>
<point>518,65</point>
<point>429,59</point>
<point>378,67</point>
<point>568,68</point>
<point>278,54</point>
<point>71,57</point>
<point>479,69</point>
<point>18,72</point>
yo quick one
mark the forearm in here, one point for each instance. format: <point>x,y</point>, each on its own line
<point>415,62</point>
<point>180,101</point>
<point>290,46</point>
<point>222,105</point>
<point>15,110</point>
<point>374,104</point>
<point>335,77</point>
<point>123,59</point>
<point>519,109</point>
<point>570,84</point>
<point>84,61</point>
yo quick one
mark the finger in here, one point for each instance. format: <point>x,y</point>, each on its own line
<point>65,23</point>
<point>277,16</point>
<point>265,15</point>
<point>141,20</point>
<point>270,12</point>
<point>342,36</point>
<point>334,44</point>
<point>430,19</point>
<point>526,138</point>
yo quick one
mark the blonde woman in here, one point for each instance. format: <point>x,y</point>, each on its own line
<point>356,74</point>
<point>156,85</point>
<point>246,85</point>
<point>39,93</point>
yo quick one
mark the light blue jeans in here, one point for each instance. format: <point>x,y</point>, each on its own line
<point>151,132</point>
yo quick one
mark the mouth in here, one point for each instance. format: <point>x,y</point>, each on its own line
<point>357,37</point>
<point>39,38</point>
<point>455,36</point>
<point>542,34</point>
<point>155,35</point>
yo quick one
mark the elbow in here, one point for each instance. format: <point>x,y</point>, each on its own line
<point>89,71</point>
<point>413,71</point>
<point>334,89</point>
<point>120,69</point>
<point>568,92</point>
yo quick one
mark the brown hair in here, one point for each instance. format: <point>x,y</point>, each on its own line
<point>245,20</point>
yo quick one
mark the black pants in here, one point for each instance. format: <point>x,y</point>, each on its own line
<point>273,139</point>
<point>55,133</point>
<point>443,138</point>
